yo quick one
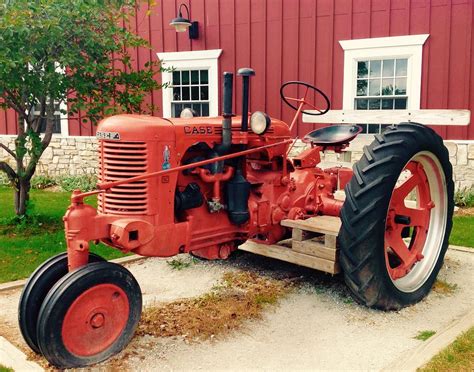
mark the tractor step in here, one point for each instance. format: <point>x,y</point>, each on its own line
<point>313,244</point>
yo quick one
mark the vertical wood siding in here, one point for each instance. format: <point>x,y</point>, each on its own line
<point>299,40</point>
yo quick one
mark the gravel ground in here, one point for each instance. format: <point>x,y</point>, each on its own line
<point>317,327</point>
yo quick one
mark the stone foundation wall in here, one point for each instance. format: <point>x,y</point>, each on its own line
<point>461,155</point>
<point>78,155</point>
<point>64,156</point>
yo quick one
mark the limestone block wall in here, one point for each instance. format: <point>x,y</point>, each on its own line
<point>461,155</point>
<point>78,155</point>
<point>64,156</point>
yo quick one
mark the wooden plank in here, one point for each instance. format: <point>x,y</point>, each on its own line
<point>322,224</point>
<point>427,117</point>
<point>330,241</point>
<point>300,235</point>
<point>314,248</point>
<point>289,255</point>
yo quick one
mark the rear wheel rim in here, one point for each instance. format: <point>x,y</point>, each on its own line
<point>95,320</point>
<point>414,233</point>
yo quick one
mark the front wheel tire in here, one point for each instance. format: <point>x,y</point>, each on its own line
<point>36,288</point>
<point>89,315</point>
<point>397,217</point>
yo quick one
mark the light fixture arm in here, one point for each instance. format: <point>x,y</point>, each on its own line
<point>180,14</point>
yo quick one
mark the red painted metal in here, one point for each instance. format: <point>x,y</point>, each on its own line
<point>261,34</point>
<point>154,157</point>
<point>95,320</point>
<point>400,256</point>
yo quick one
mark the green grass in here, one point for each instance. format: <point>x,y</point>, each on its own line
<point>424,335</point>
<point>463,231</point>
<point>459,356</point>
<point>5,369</point>
<point>23,248</point>
<point>180,264</point>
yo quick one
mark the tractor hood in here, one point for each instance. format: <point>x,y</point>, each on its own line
<point>153,128</point>
<point>135,128</point>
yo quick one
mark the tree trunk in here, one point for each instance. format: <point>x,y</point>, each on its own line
<point>22,195</point>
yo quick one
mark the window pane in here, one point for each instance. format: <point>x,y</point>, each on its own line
<point>401,69</point>
<point>383,127</point>
<point>400,86</point>
<point>361,104</point>
<point>387,87</point>
<point>374,87</point>
<point>388,67</point>
<point>374,104</point>
<point>362,69</point>
<point>204,93</point>
<point>195,77</point>
<point>197,109</point>
<point>195,93</point>
<point>177,94</point>
<point>176,78</point>
<point>56,125</point>
<point>204,77</point>
<point>185,93</point>
<point>176,109</point>
<point>373,128</point>
<point>387,104</point>
<point>361,87</point>
<point>205,109</point>
<point>400,103</point>
<point>185,77</point>
<point>375,68</point>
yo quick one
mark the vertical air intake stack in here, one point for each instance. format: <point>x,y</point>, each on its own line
<point>224,147</point>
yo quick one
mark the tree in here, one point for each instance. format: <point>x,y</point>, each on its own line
<point>61,51</point>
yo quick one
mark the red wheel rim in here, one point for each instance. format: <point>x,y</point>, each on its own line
<point>400,255</point>
<point>95,320</point>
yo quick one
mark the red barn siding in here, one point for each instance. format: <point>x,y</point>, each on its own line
<point>299,40</point>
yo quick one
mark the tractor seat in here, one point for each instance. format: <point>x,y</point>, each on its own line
<point>333,135</point>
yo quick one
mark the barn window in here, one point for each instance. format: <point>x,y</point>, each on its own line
<point>193,83</point>
<point>190,90</point>
<point>57,120</point>
<point>382,74</point>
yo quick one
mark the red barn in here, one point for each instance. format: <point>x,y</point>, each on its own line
<point>364,54</point>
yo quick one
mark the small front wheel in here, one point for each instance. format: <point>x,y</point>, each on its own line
<point>89,315</point>
<point>397,217</point>
<point>37,287</point>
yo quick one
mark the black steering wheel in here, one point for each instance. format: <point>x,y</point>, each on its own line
<point>286,99</point>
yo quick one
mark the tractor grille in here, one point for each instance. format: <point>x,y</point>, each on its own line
<point>119,161</point>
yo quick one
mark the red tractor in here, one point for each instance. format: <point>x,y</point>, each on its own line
<point>207,185</point>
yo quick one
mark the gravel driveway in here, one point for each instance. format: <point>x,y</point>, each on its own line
<point>318,326</point>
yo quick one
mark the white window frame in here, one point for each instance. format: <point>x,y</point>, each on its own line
<point>193,60</point>
<point>410,47</point>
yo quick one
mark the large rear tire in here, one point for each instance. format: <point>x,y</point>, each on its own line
<point>392,247</point>
<point>89,315</point>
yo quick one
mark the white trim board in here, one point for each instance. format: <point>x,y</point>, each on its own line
<point>384,42</point>
<point>196,59</point>
<point>427,117</point>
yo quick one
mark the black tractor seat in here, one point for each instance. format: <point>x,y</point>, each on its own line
<point>333,135</point>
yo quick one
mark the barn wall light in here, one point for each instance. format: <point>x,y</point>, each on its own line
<point>182,24</point>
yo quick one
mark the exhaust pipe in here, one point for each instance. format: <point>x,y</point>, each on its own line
<point>224,147</point>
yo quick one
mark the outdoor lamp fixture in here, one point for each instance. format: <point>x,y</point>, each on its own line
<point>182,24</point>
